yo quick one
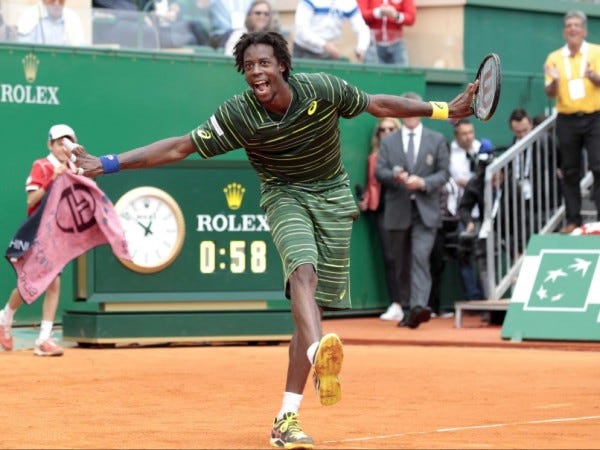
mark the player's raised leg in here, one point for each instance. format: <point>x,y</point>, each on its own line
<point>327,366</point>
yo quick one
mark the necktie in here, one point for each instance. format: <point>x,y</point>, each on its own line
<point>410,150</point>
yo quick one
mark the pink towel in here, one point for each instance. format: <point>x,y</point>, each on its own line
<point>74,217</point>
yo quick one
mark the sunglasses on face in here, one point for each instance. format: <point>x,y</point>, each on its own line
<point>386,129</point>
<point>261,13</point>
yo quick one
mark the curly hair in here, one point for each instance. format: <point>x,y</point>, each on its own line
<point>272,38</point>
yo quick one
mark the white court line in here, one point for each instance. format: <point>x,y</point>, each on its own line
<point>553,406</point>
<point>469,427</point>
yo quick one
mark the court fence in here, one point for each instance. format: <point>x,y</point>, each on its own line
<point>522,197</point>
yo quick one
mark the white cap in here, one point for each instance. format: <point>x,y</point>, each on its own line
<point>61,130</point>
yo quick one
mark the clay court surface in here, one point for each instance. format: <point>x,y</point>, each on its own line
<point>434,387</point>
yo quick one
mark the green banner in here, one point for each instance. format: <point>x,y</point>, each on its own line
<point>116,100</point>
<point>557,295</point>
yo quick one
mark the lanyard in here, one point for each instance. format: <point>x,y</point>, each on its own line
<point>583,50</point>
<point>496,204</point>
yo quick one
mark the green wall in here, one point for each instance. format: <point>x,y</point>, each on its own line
<point>118,100</point>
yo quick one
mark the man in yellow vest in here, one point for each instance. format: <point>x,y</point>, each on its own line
<point>572,76</point>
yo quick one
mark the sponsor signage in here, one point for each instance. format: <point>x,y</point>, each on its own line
<point>557,294</point>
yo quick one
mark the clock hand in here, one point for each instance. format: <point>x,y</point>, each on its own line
<point>147,229</point>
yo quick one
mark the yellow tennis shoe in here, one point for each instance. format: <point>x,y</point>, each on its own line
<point>327,366</point>
<point>286,433</point>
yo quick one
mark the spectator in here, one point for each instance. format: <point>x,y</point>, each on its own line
<point>226,16</point>
<point>7,32</point>
<point>463,153</point>
<point>198,12</point>
<point>534,171</point>
<point>260,16</point>
<point>470,224</point>
<point>173,31</point>
<point>520,124</point>
<point>43,172</point>
<point>318,26</point>
<point>372,201</point>
<point>50,22</point>
<point>125,5</point>
<point>445,237</point>
<point>120,22</point>
<point>387,20</point>
<point>412,167</point>
<point>572,77</point>
<point>472,243</point>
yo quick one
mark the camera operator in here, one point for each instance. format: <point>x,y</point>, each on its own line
<point>471,242</point>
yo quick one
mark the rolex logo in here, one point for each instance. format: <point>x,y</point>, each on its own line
<point>234,194</point>
<point>30,66</point>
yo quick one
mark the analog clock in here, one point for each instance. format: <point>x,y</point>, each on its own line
<point>154,228</point>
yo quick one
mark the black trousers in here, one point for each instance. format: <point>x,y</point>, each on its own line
<point>576,132</point>
<point>383,236</point>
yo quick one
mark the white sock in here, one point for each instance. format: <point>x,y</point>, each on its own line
<point>7,315</point>
<point>291,403</point>
<point>312,351</point>
<point>45,330</point>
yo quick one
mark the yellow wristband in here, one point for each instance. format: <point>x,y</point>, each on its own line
<point>440,110</point>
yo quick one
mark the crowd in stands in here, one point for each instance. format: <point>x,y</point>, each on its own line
<point>525,192</point>
<point>188,24</point>
<point>459,231</point>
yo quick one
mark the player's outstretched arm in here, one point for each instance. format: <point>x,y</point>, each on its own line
<point>158,153</point>
<point>382,105</point>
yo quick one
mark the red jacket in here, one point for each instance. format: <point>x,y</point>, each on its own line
<point>41,176</point>
<point>373,190</point>
<point>385,29</point>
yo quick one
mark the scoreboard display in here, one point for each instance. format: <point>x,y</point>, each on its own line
<point>195,231</point>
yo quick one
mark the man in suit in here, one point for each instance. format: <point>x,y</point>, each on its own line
<point>537,174</point>
<point>413,166</point>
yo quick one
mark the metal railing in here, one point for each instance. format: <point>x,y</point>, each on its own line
<point>530,203</point>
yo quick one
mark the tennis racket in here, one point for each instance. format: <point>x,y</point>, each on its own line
<point>488,93</point>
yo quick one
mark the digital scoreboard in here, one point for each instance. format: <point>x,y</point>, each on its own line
<point>195,231</point>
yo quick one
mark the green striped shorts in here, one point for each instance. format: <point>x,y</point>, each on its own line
<point>312,224</point>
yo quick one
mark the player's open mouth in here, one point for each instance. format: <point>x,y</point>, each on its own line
<point>261,87</point>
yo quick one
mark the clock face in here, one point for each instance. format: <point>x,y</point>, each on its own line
<point>154,228</point>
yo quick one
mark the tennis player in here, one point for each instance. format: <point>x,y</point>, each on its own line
<point>288,126</point>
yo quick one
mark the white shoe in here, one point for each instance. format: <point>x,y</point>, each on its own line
<point>394,312</point>
<point>49,347</point>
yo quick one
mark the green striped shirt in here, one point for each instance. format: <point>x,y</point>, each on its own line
<point>300,147</point>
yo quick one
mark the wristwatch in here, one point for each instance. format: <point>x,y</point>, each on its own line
<point>154,228</point>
